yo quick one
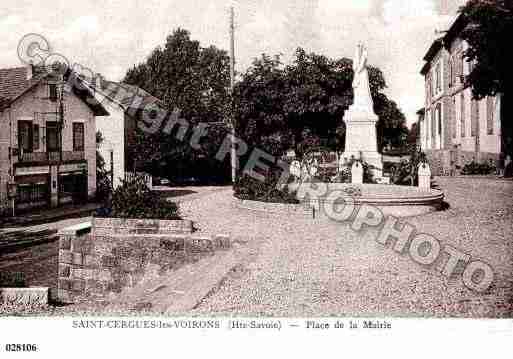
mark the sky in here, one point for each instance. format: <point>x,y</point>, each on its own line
<point>110,36</point>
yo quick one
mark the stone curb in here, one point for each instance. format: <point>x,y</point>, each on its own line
<point>32,296</point>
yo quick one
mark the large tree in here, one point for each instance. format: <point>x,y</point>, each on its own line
<point>489,29</point>
<point>303,104</point>
<point>194,79</point>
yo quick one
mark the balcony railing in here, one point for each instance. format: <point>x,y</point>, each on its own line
<point>40,157</point>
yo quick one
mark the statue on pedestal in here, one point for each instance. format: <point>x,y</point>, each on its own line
<point>360,118</point>
<point>361,86</point>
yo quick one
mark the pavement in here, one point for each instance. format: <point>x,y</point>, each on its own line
<point>43,216</point>
<point>317,267</point>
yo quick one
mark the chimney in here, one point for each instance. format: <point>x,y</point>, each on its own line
<point>30,71</point>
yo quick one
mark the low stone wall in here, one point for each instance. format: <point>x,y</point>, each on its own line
<point>24,297</point>
<point>275,208</point>
<point>441,164</point>
<point>119,226</point>
<point>100,259</point>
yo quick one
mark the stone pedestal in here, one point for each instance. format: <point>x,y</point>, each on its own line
<point>357,173</point>
<point>424,177</point>
<point>361,139</point>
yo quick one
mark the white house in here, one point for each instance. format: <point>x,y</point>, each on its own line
<point>125,104</point>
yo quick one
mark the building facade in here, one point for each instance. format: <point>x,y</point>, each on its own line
<point>456,129</point>
<point>126,104</point>
<point>47,141</point>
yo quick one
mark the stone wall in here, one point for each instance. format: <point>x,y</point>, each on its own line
<point>279,208</point>
<point>101,260</point>
<point>441,161</point>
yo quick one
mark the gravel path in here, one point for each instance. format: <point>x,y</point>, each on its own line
<point>308,267</point>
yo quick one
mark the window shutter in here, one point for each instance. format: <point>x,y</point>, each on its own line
<point>490,109</point>
<point>35,137</point>
<point>462,114</point>
<point>474,117</point>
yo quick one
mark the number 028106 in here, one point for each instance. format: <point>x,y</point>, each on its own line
<point>21,348</point>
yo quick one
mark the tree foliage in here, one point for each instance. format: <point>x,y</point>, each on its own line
<point>194,79</point>
<point>488,33</point>
<point>490,25</point>
<point>302,105</point>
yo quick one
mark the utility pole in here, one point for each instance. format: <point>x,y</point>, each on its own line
<point>232,85</point>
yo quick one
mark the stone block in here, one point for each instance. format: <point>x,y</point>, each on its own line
<point>78,285</point>
<point>65,257</point>
<point>424,176</point>
<point>24,296</point>
<point>65,296</point>
<point>104,276</point>
<point>172,243</point>
<point>81,273</point>
<point>65,242</point>
<point>122,252</point>
<point>77,259</point>
<point>357,173</point>
<point>222,242</point>
<point>91,261</point>
<point>109,261</point>
<point>64,271</point>
<point>94,286</point>
<point>199,244</point>
<point>82,245</point>
<point>65,284</point>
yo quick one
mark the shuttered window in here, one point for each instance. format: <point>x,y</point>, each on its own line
<point>25,139</point>
<point>35,137</point>
<point>453,117</point>
<point>474,117</point>
<point>78,136</point>
<point>462,115</point>
<point>52,137</point>
<point>490,114</point>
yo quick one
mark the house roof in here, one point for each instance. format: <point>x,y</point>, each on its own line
<point>14,83</point>
<point>455,29</point>
<point>110,89</point>
<point>433,49</point>
<point>425,68</point>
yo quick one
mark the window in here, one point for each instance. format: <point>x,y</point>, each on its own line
<point>34,192</point>
<point>426,125</point>
<point>462,114</point>
<point>52,89</point>
<point>438,78</point>
<point>35,137</point>
<point>459,69</point>
<point>451,72</point>
<point>25,136</point>
<point>78,136</point>
<point>474,117</point>
<point>52,137</point>
<point>453,117</point>
<point>490,112</point>
<point>433,126</point>
<point>439,119</point>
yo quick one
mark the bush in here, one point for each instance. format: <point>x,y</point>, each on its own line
<point>406,173</point>
<point>248,188</point>
<point>103,178</point>
<point>474,168</point>
<point>344,176</point>
<point>133,199</point>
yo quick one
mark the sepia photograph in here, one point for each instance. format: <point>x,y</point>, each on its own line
<point>255,166</point>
